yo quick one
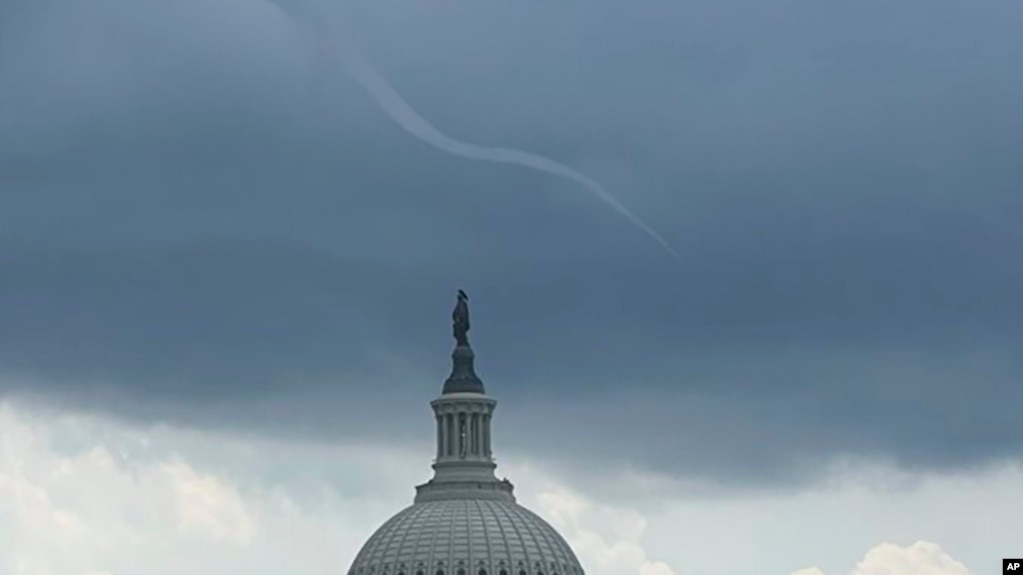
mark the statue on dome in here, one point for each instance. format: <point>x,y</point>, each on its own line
<point>460,319</point>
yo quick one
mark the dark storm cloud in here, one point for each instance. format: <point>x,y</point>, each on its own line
<point>202,219</point>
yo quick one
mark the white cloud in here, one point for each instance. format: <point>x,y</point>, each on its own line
<point>607,539</point>
<point>81,496</point>
<point>90,496</point>
<point>920,558</point>
<point>207,506</point>
<point>831,525</point>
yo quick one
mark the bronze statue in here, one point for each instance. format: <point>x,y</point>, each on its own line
<point>460,319</point>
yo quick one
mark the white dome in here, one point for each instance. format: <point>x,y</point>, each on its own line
<point>466,537</point>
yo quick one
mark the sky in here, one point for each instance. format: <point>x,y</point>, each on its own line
<point>226,274</point>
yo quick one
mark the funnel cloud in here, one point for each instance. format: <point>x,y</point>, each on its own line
<point>336,44</point>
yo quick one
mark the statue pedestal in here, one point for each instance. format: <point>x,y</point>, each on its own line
<point>463,378</point>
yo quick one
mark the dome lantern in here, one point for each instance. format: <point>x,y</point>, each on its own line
<point>464,464</point>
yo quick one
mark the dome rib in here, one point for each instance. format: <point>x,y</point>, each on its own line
<point>507,546</point>
<point>565,562</point>
<point>397,554</point>
<point>451,538</point>
<point>468,534</point>
<point>522,540</point>
<point>539,547</point>
<point>431,561</point>
<point>486,538</point>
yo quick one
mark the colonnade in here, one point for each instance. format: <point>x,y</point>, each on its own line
<point>463,431</point>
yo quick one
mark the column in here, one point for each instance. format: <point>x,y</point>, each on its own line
<point>486,435</point>
<point>474,443</point>
<point>451,434</point>
<point>463,435</point>
<point>479,429</point>
<point>479,434</point>
<point>440,436</point>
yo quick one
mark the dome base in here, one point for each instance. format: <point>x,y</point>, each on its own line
<point>445,490</point>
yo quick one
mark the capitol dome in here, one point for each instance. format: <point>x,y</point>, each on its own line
<point>465,521</point>
<point>466,537</point>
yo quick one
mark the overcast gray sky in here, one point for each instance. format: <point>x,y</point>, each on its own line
<point>204,221</point>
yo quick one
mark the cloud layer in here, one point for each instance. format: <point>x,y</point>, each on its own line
<point>81,495</point>
<point>204,222</point>
<point>86,495</point>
